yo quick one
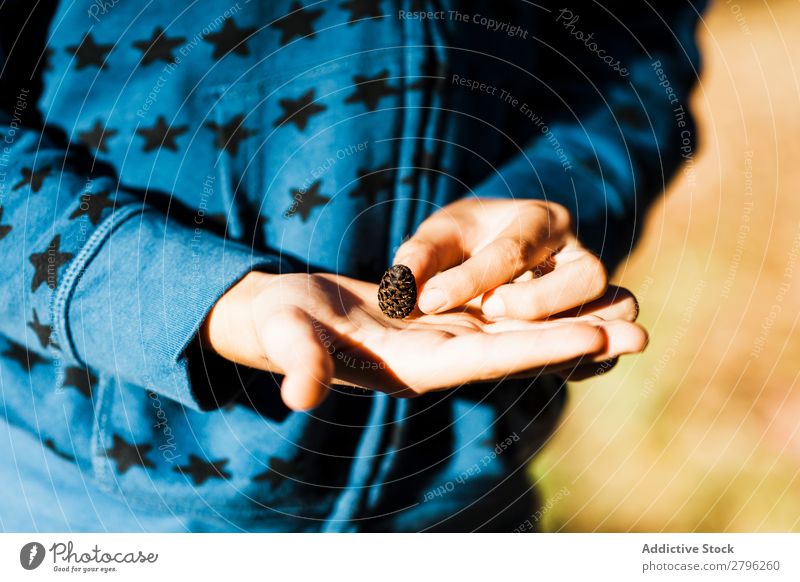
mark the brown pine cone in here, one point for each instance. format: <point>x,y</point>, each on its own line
<point>397,294</point>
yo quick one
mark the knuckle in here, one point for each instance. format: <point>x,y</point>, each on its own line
<point>560,217</point>
<point>513,252</point>
<point>413,246</point>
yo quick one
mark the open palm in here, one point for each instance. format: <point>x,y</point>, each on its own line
<point>322,329</point>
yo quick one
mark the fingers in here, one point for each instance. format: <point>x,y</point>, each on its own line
<point>578,278</point>
<point>615,303</point>
<point>291,342</point>
<point>532,235</point>
<point>480,357</point>
<point>622,338</point>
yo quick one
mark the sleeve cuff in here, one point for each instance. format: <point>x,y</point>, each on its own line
<point>137,301</point>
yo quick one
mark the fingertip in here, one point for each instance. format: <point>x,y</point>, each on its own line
<point>432,300</point>
<point>493,306</point>
<point>625,337</point>
<point>415,257</point>
<point>303,390</point>
<point>302,393</point>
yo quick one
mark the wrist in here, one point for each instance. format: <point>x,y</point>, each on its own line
<point>230,322</point>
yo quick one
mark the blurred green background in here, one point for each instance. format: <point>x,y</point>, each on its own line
<point>702,432</point>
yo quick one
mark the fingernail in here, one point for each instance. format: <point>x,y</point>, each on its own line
<point>494,307</point>
<point>432,300</point>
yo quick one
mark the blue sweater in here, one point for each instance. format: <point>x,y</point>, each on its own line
<point>151,154</point>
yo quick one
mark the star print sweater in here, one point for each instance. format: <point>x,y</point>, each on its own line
<point>152,154</point>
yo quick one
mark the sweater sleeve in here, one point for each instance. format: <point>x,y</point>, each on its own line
<point>615,123</point>
<point>90,274</point>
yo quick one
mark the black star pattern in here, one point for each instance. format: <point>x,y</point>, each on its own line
<point>127,455</point>
<point>161,135</point>
<point>201,470</point>
<point>97,136</point>
<point>230,39</point>
<point>93,206</point>
<point>22,356</point>
<point>46,264</point>
<point>371,183</point>
<point>427,167</point>
<point>231,134</point>
<point>32,178</point>
<point>89,54</point>
<point>42,331</point>
<point>370,91</point>
<point>362,9</point>
<point>277,472</point>
<point>298,23</point>
<point>50,444</point>
<point>299,111</point>
<point>81,379</point>
<point>4,228</point>
<point>305,202</point>
<point>159,47</point>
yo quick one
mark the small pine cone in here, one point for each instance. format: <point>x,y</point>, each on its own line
<point>397,294</point>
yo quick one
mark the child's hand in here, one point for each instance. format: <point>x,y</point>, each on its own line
<point>323,329</point>
<point>486,249</point>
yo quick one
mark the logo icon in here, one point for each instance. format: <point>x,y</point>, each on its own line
<point>31,555</point>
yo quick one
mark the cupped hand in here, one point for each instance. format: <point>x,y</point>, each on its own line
<point>321,329</point>
<point>518,258</point>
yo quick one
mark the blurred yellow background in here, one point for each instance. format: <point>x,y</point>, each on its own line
<point>702,432</point>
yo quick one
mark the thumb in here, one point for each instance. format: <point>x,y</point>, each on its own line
<point>294,342</point>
